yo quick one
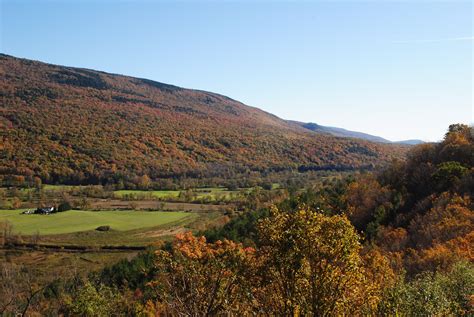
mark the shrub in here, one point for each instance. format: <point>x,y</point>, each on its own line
<point>64,206</point>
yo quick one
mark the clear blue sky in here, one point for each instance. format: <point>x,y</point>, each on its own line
<point>400,69</point>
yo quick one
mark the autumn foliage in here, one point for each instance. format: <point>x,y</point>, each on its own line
<point>76,126</point>
<point>308,264</point>
<point>200,278</point>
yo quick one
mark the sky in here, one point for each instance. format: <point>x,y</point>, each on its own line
<point>397,69</point>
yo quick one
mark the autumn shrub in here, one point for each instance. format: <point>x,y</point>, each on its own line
<point>94,300</point>
<point>199,278</point>
<point>432,294</point>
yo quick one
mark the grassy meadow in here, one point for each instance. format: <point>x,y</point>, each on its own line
<point>150,193</point>
<point>199,193</point>
<point>76,221</point>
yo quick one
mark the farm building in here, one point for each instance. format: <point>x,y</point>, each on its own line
<point>44,210</point>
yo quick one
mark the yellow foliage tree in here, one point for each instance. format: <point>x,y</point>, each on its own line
<point>314,266</point>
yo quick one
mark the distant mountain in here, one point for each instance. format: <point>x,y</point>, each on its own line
<point>339,132</point>
<point>73,125</point>
<point>410,142</point>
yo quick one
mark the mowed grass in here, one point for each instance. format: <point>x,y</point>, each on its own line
<point>60,187</point>
<point>76,221</point>
<point>211,192</point>
<point>151,193</point>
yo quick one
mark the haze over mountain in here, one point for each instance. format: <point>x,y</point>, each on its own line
<point>73,125</point>
<point>351,134</point>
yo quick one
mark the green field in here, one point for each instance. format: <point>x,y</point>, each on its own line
<point>212,192</point>
<point>151,193</point>
<point>55,188</point>
<point>75,221</point>
<point>60,187</point>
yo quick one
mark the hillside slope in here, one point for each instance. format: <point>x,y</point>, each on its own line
<point>73,125</point>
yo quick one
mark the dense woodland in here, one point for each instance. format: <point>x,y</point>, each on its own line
<point>418,211</point>
<point>397,241</point>
<point>63,125</point>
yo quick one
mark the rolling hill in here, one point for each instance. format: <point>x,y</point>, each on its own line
<point>340,132</point>
<point>72,125</point>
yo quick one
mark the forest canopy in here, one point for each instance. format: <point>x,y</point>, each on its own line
<point>63,125</point>
<point>394,242</point>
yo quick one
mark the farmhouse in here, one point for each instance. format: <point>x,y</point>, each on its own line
<point>44,211</point>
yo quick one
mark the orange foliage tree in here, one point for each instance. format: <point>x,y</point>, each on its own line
<point>196,277</point>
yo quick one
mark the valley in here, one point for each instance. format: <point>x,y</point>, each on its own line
<point>141,198</point>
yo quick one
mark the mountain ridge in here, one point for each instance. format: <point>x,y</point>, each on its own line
<point>341,132</point>
<point>75,125</point>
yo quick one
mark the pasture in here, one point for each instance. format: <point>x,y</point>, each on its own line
<point>199,193</point>
<point>147,193</point>
<point>76,221</point>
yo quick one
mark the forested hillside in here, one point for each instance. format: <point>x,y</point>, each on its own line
<point>77,126</point>
<point>418,211</point>
<point>397,242</point>
<point>415,220</point>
